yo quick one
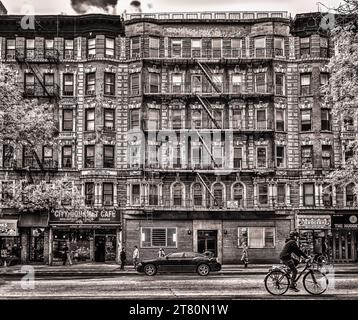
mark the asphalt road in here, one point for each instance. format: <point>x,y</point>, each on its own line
<point>164,286</point>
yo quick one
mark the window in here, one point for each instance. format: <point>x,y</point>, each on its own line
<point>108,156</point>
<point>89,193</point>
<point>49,48</point>
<point>348,124</point>
<point>134,81</point>
<point>348,153</point>
<point>47,157</point>
<point>196,118</point>
<point>196,83</point>
<point>257,237</point>
<point>90,84</point>
<point>7,190</point>
<point>260,47</point>
<point>305,47</point>
<point>67,157</point>
<point>134,119</point>
<point>351,198</point>
<point>90,120</point>
<point>109,119</point>
<point>109,83</point>
<point>324,47</point>
<point>236,48</point>
<point>159,237</point>
<point>217,48</point>
<point>68,84</point>
<point>305,84</point>
<point>238,194</point>
<point>69,49</point>
<point>327,196</point>
<point>10,49</point>
<point>8,156</point>
<point>324,78</point>
<point>307,156</point>
<point>237,157</point>
<point>177,157</point>
<point>196,48</point>
<point>108,194</point>
<point>306,120</point>
<point>135,47</point>
<point>280,157</point>
<point>308,195</point>
<point>218,154</point>
<point>263,193</point>
<point>261,157</point>
<point>237,121</point>
<point>261,122</point>
<point>152,155</point>
<point>326,156</point>
<point>237,83</point>
<point>197,156</point>
<point>135,194</point>
<point>178,194</point>
<point>279,47</point>
<point>218,116</point>
<point>177,119</point>
<point>153,47</point>
<point>27,157</point>
<point>280,120</point>
<point>177,83</point>
<point>49,83</point>
<point>91,50</point>
<point>29,84</point>
<point>281,193</point>
<point>30,48</point>
<point>89,156</point>
<point>176,48</point>
<point>153,119</point>
<point>154,79</point>
<point>279,84</point>
<point>198,194</point>
<point>218,191</point>
<point>325,119</point>
<point>153,195</point>
<point>109,49</point>
<point>260,82</point>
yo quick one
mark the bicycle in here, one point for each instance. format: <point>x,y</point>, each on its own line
<point>278,280</point>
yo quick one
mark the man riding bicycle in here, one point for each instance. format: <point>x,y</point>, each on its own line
<point>291,247</point>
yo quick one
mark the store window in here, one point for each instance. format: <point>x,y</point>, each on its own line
<point>10,250</point>
<point>36,244</point>
<point>257,237</point>
<point>158,237</point>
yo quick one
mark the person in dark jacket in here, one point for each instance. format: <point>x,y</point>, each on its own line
<point>123,257</point>
<point>291,247</point>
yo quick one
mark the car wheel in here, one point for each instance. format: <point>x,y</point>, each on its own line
<point>203,269</point>
<point>150,269</point>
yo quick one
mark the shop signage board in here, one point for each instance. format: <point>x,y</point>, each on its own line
<point>8,228</point>
<point>313,222</point>
<point>345,221</point>
<point>85,216</point>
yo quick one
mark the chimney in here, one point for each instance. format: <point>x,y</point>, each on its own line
<point>3,10</point>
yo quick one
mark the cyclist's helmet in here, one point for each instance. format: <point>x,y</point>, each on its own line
<point>293,234</point>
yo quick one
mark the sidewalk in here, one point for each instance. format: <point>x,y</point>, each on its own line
<point>92,269</point>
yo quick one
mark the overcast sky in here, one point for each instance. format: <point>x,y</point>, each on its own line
<point>292,6</point>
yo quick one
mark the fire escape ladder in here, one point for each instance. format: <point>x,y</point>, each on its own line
<point>207,107</point>
<point>206,70</point>
<point>38,160</point>
<point>206,187</point>
<point>36,72</point>
<point>206,147</point>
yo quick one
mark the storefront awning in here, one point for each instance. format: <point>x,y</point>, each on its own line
<point>33,219</point>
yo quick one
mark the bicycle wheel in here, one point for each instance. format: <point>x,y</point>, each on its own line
<point>315,282</point>
<point>277,282</point>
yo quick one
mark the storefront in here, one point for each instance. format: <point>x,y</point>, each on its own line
<point>314,233</point>
<point>91,235</point>
<point>344,237</point>
<point>10,242</point>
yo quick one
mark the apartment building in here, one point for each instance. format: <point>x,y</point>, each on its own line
<point>186,131</point>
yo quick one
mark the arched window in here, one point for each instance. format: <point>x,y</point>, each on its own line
<point>350,195</point>
<point>238,194</point>
<point>218,191</point>
<point>178,194</point>
<point>197,194</point>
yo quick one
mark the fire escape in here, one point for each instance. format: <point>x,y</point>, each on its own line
<point>40,89</point>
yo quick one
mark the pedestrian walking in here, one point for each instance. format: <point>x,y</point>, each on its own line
<point>123,257</point>
<point>135,257</point>
<point>161,253</point>
<point>66,256</point>
<point>245,257</point>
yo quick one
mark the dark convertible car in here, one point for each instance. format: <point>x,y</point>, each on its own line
<point>180,262</point>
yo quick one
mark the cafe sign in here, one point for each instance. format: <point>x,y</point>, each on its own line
<point>85,216</point>
<point>8,228</point>
<point>345,221</point>
<point>313,222</point>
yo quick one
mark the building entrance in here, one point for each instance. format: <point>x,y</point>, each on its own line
<point>208,241</point>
